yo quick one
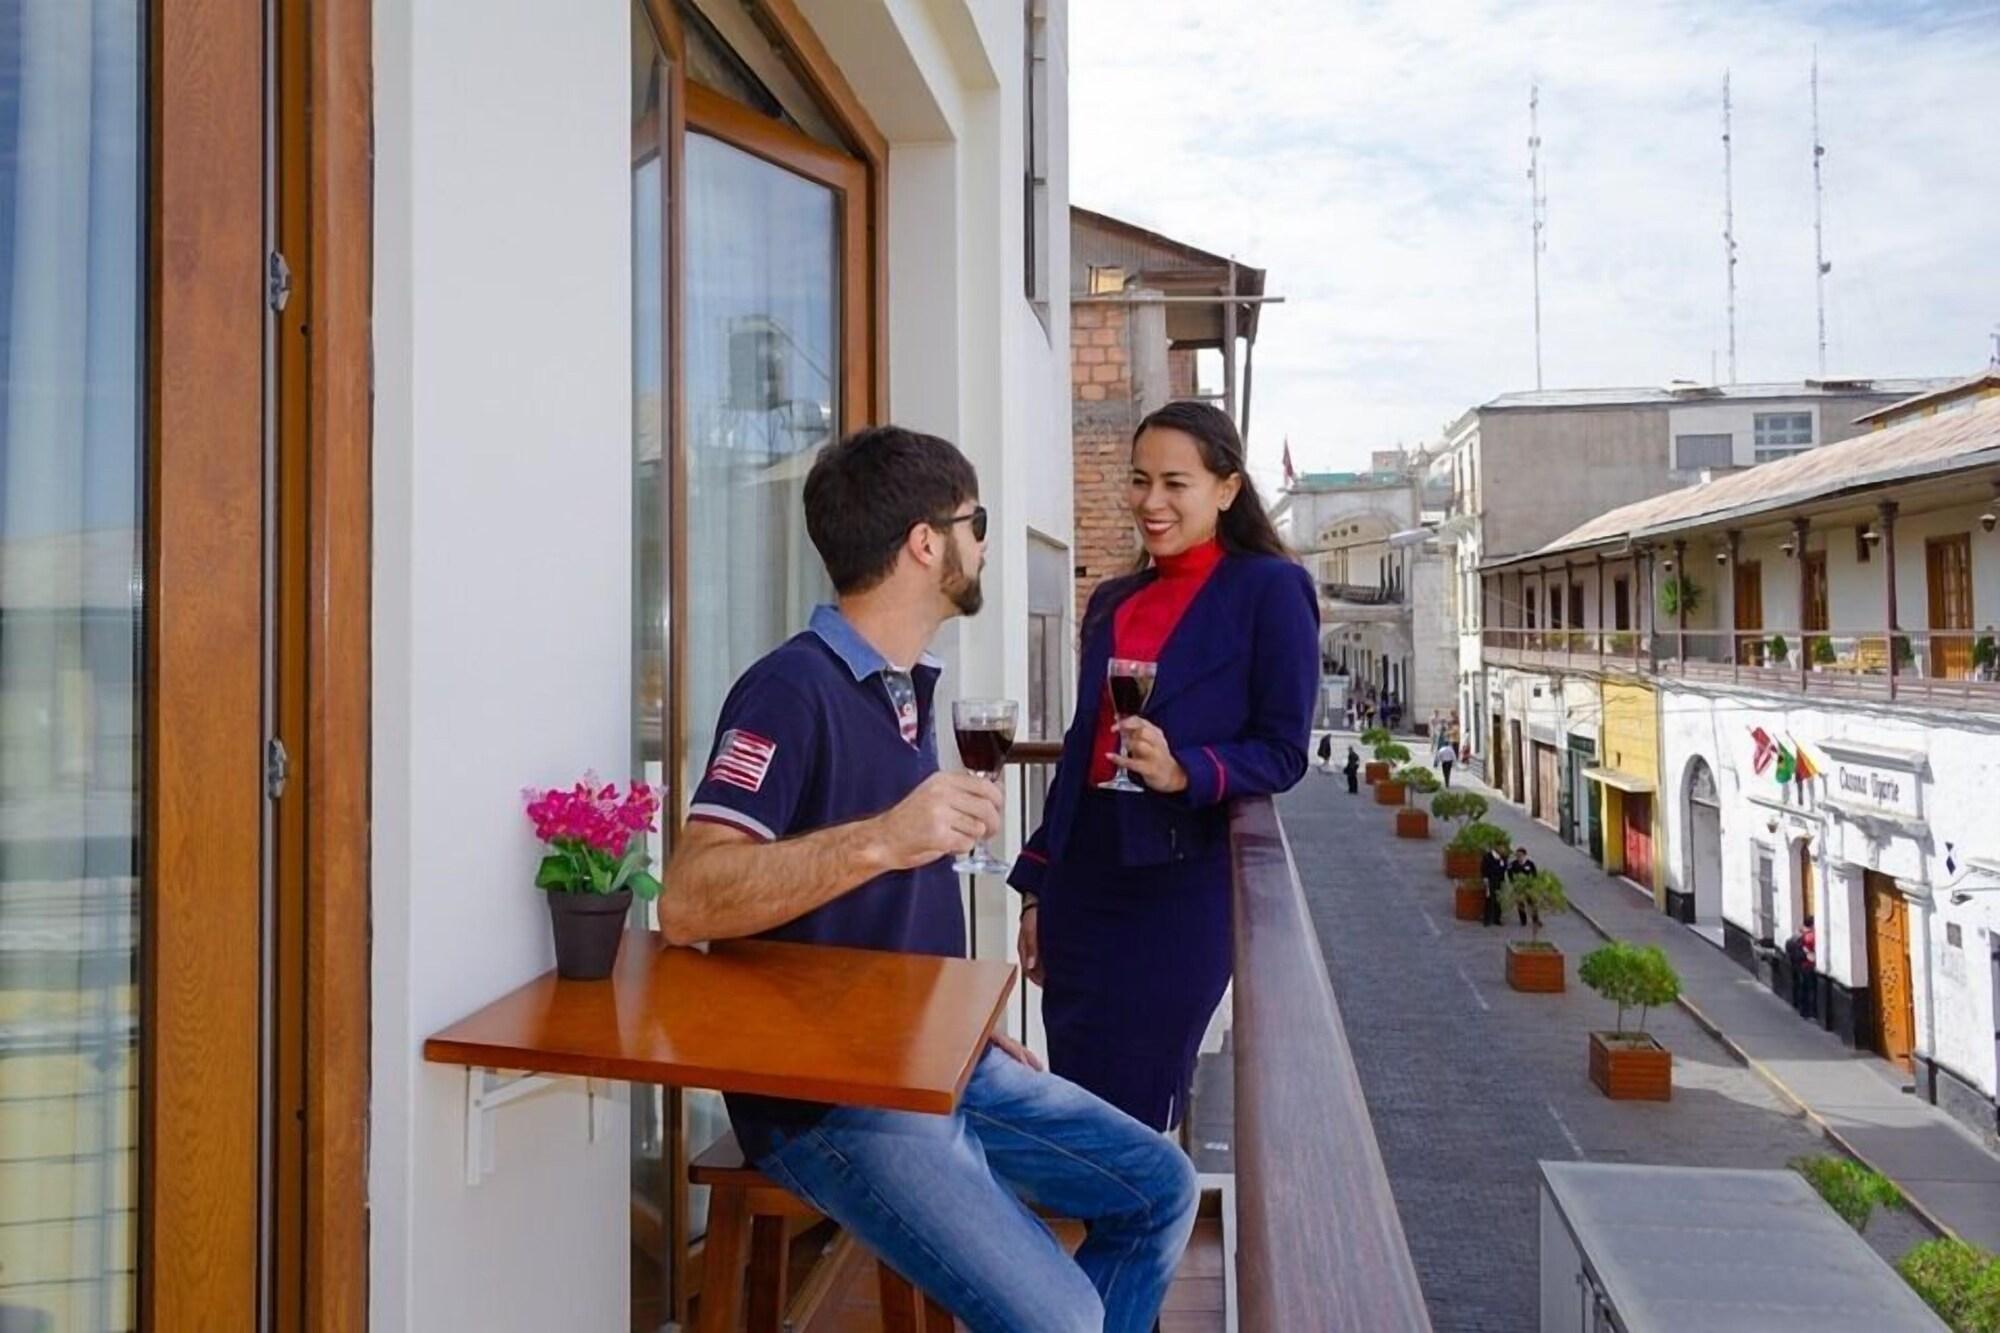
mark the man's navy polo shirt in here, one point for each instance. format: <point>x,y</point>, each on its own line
<point>812,736</point>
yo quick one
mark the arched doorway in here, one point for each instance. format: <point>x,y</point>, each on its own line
<point>1702,818</point>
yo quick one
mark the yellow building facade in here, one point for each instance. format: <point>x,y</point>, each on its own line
<point>1628,780</point>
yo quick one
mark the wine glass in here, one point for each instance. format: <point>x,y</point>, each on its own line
<point>985,732</point>
<point>1131,686</point>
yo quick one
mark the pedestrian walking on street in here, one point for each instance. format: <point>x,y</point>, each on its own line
<point>1521,867</point>
<point>1802,951</point>
<point>1493,870</point>
<point>1126,894</point>
<point>1447,755</point>
<point>1326,753</point>
<point>1353,770</point>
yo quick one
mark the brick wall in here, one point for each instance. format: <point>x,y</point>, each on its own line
<point>1180,372</point>
<point>1104,416</point>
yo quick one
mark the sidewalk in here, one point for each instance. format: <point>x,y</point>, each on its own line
<point>1950,1179</point>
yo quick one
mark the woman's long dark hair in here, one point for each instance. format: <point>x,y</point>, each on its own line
<point>1245,527</point>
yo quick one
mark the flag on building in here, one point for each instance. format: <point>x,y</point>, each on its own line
<point>1766,751</point>
<point>1803,768</point>
<point>1291,476</point>
<point>1782,775</point>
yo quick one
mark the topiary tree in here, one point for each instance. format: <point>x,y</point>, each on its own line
<point>1780,650</point>
<point>1417,778</point>
<point>1632,977</point>
<point>1460,807</point>
<point>1376,736</point>
<point>1389,752</point>
<point>1540,894</point>
<point>1849,1188</point>
<point>1481,837</point>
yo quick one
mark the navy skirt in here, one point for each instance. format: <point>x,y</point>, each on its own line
<point>1135,961</point>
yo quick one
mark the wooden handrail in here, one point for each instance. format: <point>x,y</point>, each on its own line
<point>1319,1243</point>
<point>1035,752</point>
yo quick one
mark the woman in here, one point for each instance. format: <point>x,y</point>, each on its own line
<point>1126,918</point>
<point>1326,753</point>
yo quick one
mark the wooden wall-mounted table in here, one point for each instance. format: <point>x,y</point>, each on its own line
<point>854,1027</point>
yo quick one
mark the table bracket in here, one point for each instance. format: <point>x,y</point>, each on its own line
<point>487,1090</point>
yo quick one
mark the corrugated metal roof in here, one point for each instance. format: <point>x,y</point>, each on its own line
<point>1709,393</point>
<point>1985,379</point>
<point>1928,446</point>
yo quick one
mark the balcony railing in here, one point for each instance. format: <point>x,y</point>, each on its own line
<point>1319,1243</point>
<point>1928,665</point>
<point>1361,594</point>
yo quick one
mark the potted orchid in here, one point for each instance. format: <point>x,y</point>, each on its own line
<point>596,861</point>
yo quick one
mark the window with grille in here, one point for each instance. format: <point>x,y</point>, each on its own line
<point>1779,434</point>
<point>1035,191</point>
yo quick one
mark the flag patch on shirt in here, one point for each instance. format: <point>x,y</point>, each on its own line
<point>742,759</point>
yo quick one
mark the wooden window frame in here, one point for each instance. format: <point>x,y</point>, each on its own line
<point>861,178</point>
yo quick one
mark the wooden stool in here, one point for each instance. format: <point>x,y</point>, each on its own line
<point>748,1246</point>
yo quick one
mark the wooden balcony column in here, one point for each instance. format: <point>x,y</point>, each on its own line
<point>1680,571</point>
<point>1885,528</point>
<point>1800,527</point>
<point>1600,611</point>
<point>1737,646</point>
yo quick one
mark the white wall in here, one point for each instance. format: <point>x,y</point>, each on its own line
<point>1960,771</point>
<point>502,466</point>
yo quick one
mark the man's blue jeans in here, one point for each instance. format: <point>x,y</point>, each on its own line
<point>941,1200</point>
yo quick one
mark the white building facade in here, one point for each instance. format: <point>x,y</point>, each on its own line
<point>1803,697</point>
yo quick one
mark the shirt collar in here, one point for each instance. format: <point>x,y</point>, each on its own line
<point>860,656</point>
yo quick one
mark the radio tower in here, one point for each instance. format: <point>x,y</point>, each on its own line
<point>1729,222</point>
<point>1538,211</point>
<point>1820,265</point>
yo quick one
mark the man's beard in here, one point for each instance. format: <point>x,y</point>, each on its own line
<point>963,589</point>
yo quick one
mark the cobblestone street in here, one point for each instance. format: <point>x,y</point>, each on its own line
<point>1471,1083</point>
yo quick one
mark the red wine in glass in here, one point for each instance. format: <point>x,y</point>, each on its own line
<point>983,747</point>
<point>1131,685</point>
<point>985,732</point>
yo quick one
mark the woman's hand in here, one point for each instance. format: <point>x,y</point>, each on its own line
<point>1028,944</point>
<point>1146,754</point>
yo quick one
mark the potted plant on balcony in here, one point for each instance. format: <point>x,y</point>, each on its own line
<point>1413,823</point>
<point>1822,652</point>
<point>1680,593</point>
<point>1986,657</point>
<point>1630,1066</point>
<point>596,861</point>
<point>1377,737</point>
<point>1779,650</point>
<point>1462,808</point>
<point>1534,964</point>
<point>1387,755</point>
<point>1621,643</point>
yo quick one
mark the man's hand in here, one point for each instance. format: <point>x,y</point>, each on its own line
<point>943,817</point>
<point>1147,754</point>
<point>1014,1049</point>
<point>1028,942</point>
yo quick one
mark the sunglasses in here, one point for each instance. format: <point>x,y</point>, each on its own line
<point>977,517</point>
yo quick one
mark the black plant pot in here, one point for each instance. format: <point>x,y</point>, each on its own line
<point>588,927</point>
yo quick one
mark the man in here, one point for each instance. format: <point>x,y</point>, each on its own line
<point>1493,871</point>
<point>1801,952</point>
<point>823,819</point>
<point>1521,867</point>
<point>1447,755</point>
<point>1353,770</point>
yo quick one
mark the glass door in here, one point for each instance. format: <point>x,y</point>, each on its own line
<point>72,618</point>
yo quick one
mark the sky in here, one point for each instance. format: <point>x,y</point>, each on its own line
<point>1372,157</point>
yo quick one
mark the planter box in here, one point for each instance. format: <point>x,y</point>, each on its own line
<point>1390,793</point>
<point>1539,970</point>
<point>1461,865</point>
<point>1631,1069</point>
<point>1373,772</point>
<point>1412,824</point>
<point>1468,900</point>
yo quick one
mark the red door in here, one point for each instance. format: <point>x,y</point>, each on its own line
<point>1638,839</point>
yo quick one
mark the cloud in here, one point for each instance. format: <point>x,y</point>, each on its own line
<point>1372,156</point>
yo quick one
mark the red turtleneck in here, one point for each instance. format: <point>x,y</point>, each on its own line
<point>1141,627</point>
